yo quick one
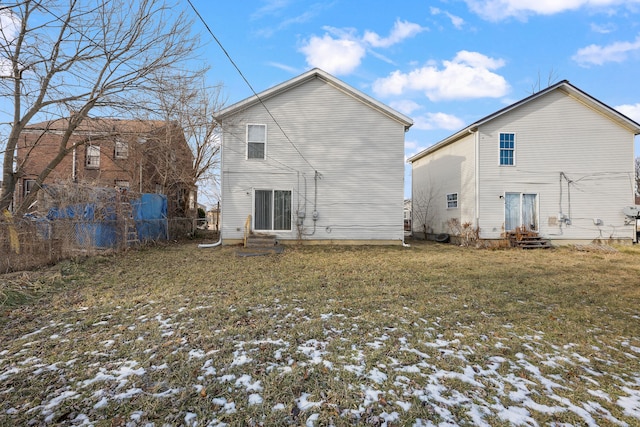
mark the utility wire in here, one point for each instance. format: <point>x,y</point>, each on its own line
<point>246,81</point>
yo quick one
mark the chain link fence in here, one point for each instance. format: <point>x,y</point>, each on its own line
<point>28,243</point>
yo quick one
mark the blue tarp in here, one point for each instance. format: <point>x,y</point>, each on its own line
<point>100,229</point>
<point>150,214</point>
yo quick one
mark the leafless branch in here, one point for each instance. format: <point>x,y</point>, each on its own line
<point>62,57</point>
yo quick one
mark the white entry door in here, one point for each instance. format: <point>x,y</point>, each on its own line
<point>520,210</point>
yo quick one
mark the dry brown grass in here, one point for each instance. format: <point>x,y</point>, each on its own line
<point>323,322</point>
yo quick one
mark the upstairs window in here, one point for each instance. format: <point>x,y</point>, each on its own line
<point>256,141</point>
<point>507,149</point>
<point>92,160</point>
<point>452,200</point>
<point>121,149</point>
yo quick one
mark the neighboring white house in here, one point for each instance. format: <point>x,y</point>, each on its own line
<point>313,159</point>
<point>558,162</point>
<point>407,214</point>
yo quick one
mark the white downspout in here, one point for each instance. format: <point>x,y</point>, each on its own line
<point>477,176</point>
<point>219,242</point>
<point>404,244</point>
<point>211,245</point>
<point>73,165</point>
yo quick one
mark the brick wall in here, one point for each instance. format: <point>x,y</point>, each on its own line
<point>156,160</point>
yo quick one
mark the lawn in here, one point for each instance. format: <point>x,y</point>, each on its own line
<point>384,336</point>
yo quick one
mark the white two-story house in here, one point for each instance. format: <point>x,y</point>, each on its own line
<point>558,163</point>
<point>313,160</point>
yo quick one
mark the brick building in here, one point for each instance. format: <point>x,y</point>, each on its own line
<point>140,156</point>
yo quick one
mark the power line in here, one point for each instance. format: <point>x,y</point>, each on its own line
<point>247,81</point>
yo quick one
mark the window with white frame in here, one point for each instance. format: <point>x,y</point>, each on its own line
<point>452,200</point>
<point>256,141</point>
<point>92,160</point>
<point>272,210</point>
<point>507,149</point>
<point>121,149</point>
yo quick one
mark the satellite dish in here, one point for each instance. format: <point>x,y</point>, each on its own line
<point>633,211</point>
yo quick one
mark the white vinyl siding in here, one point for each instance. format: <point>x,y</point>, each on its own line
<point>573,175</point>
<point>446,171</point>
<point>357,151</point>
<point>556,134</point>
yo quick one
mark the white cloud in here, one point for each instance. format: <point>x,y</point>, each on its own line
<point>410,145</point>
<point>457,21</point>
<point>469,75</point>
<point>602,28</point>
<point>284,67</point>
<point>597,55</point>
<point>340,51</point>
<point>476,59</point>
<point>431,121</point>
<point>335,56</point>
<point>405,106</point>
<point>277,8</point>
<point>270,7</point>
<point>9,27</point>
<point>401,30</point>
<point>630,110</point>
<point>496,10</point>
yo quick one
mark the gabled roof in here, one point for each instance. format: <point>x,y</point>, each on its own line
<point>315,73</point>
<point>563,86</point>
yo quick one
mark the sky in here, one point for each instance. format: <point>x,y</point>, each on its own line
<point>443,63</point>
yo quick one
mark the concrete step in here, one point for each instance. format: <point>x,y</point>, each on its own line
<point>261,241</point>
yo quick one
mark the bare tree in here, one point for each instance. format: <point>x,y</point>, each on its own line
<point>422,211</point>
<point>69,58</point>
<point>192,106</point>
<point>538,85</point>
